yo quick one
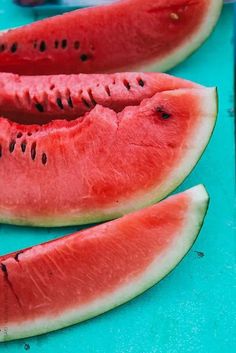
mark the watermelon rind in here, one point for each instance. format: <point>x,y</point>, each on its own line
<point>162,265</point>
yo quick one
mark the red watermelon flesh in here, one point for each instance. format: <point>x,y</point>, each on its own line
<point>120,36</point>
<point>39,99</point>
<point>74,278</point>
<point>104,164</point>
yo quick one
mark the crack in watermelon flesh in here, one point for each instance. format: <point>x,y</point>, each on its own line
<point>122,36</point>
<point>76,277</point>
<point>40,99</point>
<point>104,164</point>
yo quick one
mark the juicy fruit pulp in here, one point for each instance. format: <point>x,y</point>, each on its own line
<point>124,35</point>
<point>68,173</point>
<point>40,99</point>
<point>71,279</point>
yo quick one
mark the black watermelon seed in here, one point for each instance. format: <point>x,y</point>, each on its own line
<point>44,158</point>
<point>76,44</point>
<point>64,43</point>
<point>12,146</point>
<point>23,146</point>
<point>56,44</point>
<point>85,102</point>
<point>127,85</point>
<point>164,115</point>
<point>33,151</point>
<point>141,82</point>
<point>84,57</point>
<point>2,47</point>
<point>42,46</point>
<point>59,103</point>
<point>39,107</point>
<point>0,151</point>
<point>19,135</point>
<point>14,47</point>
<point>3,268</point>
<point>70,102</point>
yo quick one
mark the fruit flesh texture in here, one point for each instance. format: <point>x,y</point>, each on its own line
<point>74,171</point>
<point>39,99</point>
<point>70,275</point>
<point>85,257</point>
<point>88,41</point>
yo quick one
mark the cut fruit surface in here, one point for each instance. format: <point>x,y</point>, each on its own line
<point>104,164</point>
<point>77,277</point>
<point>122,36</point>
<point>39,99</point>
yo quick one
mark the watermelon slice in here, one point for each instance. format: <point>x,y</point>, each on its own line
<point>121,36</point>
<point>39,99</point>
<point>104,164</point>
<point>74,278</point>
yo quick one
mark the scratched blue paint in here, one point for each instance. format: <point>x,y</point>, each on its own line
<point>193,309</point>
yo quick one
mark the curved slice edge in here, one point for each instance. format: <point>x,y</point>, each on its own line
<point>159,268</point>
<point>192,44</point>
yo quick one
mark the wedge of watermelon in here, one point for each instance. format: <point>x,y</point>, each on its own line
<point>104,164</point>
<point>74,278</point>
<point>155,34</point>
<point>39,99</point>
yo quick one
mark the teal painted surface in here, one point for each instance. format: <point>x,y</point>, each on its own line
<point>193,309</point>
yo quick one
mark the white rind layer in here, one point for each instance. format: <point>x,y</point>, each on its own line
<point>159,268</point>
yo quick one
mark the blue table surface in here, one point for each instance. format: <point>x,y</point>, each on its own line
<point>193,309</point>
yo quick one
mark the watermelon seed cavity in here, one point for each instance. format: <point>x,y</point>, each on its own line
<point>84,57</point>
<point>23,146</point>
<point>2,47</point>
<point>56,44</point>
<point>59,103</point>
<point>14,47</point>
<point>64,43</point>
<point>33,151</point>
<point>12,146</point>
<point>127,85</point>
<point>42,46</point>
<point>70,102</point>
<point>86,104</point>
<point>141,82</point>
<point>44,158</point>
<point>19,135</point>
<point>164,115</point>
<point>39,107</point>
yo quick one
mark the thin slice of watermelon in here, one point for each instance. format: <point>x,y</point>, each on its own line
<point>39,99</point>
<point>121,36</point>
<point>105,164</point>
<point>74,278</point>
